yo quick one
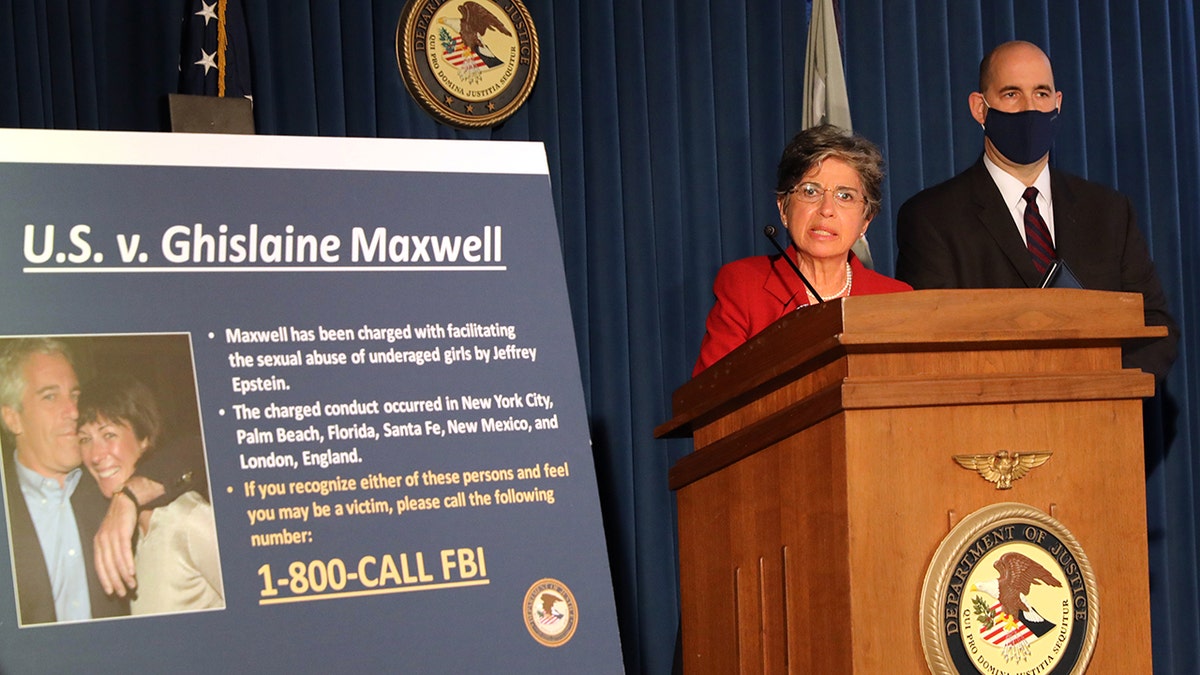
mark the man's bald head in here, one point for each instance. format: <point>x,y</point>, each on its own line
<point>1016,49</point>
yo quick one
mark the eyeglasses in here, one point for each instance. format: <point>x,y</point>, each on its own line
<point>812,193</point>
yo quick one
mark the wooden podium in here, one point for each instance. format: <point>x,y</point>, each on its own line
<point>822,480</point>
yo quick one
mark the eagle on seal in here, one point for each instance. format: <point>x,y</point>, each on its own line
<point>474,20</point>
<point>549,613</point>
<point>1018,573</point>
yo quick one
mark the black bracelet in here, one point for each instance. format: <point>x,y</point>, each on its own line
<point>132,497</point>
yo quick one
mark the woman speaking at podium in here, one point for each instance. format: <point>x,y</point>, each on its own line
<point>827,190</point>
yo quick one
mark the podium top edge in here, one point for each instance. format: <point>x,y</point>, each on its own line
<point>939,319</point>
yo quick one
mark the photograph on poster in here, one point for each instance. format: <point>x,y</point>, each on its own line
<point>90,421</point>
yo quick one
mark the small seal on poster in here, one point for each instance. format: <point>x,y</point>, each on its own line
<point>551,614</point>
<point>469,63</point>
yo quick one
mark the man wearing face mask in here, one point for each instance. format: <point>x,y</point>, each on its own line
<point>1000,223</point>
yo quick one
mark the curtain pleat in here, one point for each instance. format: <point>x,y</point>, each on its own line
<point>662,123</point>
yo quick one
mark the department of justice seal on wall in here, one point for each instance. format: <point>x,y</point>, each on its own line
<point>551,614</point>
<point>469,63</point>
<point>1009,591</point>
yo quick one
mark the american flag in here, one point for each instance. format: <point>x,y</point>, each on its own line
<point>215,55</point>
<point>462,55</point>
<point>1004,634</point>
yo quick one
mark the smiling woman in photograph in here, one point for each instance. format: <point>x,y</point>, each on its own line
<point>178,568</point>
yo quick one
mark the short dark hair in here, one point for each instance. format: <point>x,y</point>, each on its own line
<point>120,398</point>
<point>814,145</point>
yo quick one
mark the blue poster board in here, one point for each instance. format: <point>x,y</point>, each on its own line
<point>372,340</point>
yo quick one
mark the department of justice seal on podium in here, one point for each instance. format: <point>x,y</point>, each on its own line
<point>1009,592</point>
<point>469,63</point>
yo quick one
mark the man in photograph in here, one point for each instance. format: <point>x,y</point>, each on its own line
<point>72,548</point>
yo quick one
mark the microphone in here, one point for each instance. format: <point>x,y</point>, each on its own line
<point>770,232</point>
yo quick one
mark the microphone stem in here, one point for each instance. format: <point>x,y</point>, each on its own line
<point>770,232</point>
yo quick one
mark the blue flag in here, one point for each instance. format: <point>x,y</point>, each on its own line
<point>215,55</point>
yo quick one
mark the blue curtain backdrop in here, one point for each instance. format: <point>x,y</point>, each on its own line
<point>663,122</point>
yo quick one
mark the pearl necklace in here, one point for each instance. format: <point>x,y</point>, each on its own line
<point>845,292</point>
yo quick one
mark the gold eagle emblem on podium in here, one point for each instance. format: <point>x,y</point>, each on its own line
<point>1002,468</point>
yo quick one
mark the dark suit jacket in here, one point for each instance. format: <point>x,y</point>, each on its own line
<point>960,234</point>
<point>752,293</point>
<point>33,580</point>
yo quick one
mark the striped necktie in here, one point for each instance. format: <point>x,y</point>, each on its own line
<point>1037,235</point>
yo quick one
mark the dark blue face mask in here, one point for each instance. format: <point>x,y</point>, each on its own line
<point>1022,137</point>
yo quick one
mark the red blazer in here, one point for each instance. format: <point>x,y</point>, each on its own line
<point>753,292</point>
